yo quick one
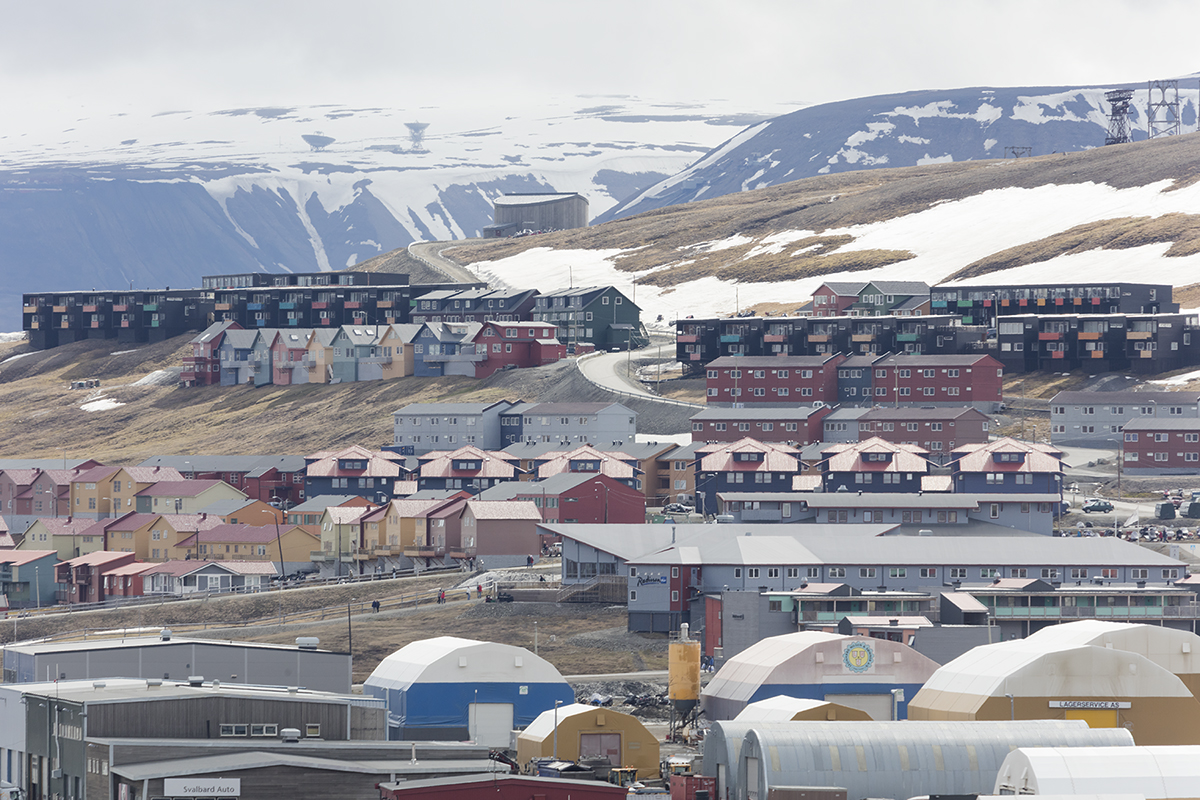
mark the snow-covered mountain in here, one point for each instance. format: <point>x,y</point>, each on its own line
<point>903,130</point>
<point>162,199</point>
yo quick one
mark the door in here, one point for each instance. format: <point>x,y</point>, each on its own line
<point>878,706</point>
<point>491,723</point>
<point>601,745</point>
<point>1095,717</point>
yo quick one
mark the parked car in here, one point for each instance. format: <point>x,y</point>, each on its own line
<point>1097,504</point>
<point>678,508</point>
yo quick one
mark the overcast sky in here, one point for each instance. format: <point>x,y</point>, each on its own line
<point>124,55</point>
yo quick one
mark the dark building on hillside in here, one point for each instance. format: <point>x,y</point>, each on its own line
<point>537,211</point>
<point>598,315</point>
<point>982,304</point>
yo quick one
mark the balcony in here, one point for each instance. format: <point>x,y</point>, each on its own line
<point>1098,354</point>
<point>218,307</point>
<point>422,552</point>
<point>455,358</point>
<point>254,306</point>
<point>1058,354</point>
<point>1138,334</point>
<point>818,337</point>
<point>150,307</point>
<point>774,337</point>
<point>862,337</point>
<point>387,549</point>
<point>384,304</point>
<point>31,309</point>
<point>375,360</point>
<point>461,552</point>
<point>907,337</point>
<point>686,338</point>
<point>59,309</point>
<point>1089,336</point>
<point>1050,336</point>
<point>362,554</point>
<point>321,555</point>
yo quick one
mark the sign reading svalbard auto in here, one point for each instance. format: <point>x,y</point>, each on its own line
<point>202,787</point>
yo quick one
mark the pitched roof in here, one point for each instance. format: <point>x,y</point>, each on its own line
<point>243,534</point>
<point>379,464</point>
<point>66,526</point>
<point>849,457</point>
<point>550,409</point>
<point>748,413</point>
<point>504,509</point>
<point>321,502</point>
<point>98,558</point>
<point>612,464</point>
<point>347,515</point>
<point>440,464</point>
<point>19,557</point>
<point>182,488</point>
<point>719,457</point>
<point>774,362</point>
<point>252,465</point>
<point>981,457</point>
<point>1125,398</point>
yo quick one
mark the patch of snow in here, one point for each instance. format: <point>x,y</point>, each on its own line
<point>103,404</point>
<point>160,377</point>
<point>928,159</point>
<point>14,358</point>
<point>1178,380</point>
<point>123,352</point>
<point>737,240</point>
<point>15,336</point>
<point>874,131</point>
<point>988,144</point>
<point>917,139</point>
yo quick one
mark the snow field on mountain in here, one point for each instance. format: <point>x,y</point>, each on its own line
<point>943,238</point>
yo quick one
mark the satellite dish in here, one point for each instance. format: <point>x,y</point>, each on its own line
<point>316,141</point>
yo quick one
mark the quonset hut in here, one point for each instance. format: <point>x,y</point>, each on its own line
<point>899,759</point>
<point>1156,773</point>
<point>782,708</point>
<point>1040,678</point>
<point>537,211</point>
<point>855,671</point>
<point>451,688</point>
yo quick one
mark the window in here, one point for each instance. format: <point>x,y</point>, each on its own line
<point>674,595</point>
<point>674,572</point>
<point>1139,574</point>
<point>1018,572</point>
<point>1050,572</point>
<point>1170,574</point>
<point>897,572</point>
<point>837,572</point>
<point>989,572</point>
<point>737,572</point>
<point>958,572</point>
<point>312,729</point>
<point>752,572</point>
<point>994,510</point>
<point>866,572</point>
<point>772,572</point>
<point>1079,572</point>
<point>1108,572</point>
<point>793,572</point>
<point>928,572</point>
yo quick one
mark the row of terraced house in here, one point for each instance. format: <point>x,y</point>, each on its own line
<point>1096,328</point>
<point>228,355</point>
<point>599,316</point>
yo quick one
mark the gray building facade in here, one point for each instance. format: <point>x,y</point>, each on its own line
<point>1097,419</point>
<point>424,427</point>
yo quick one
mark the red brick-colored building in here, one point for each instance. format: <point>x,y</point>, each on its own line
<point>576,497</point>
<point>938,430</point>
<point>203,366</point>
<point>778,380</point>
<point>933,380</point>
<point>1156,446</point>
<point>798,425</point>
<point>126,581</point>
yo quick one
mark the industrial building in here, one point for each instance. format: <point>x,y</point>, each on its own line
<point>876,676</point>
<point>1175,650</point>
<point>49,732</point>
<point>165,657</point>
<point>580,731</point>
<point>536,211</point>
<point>456,689</point>
<point>1155,773</point>
<point>1043,678</point>
<point>500,787</point>
<point>891,759</point>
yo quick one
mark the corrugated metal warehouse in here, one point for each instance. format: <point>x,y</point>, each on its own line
<point>1156,773</point>
<point>854,671</point>
<point>452,688</point>
<point>1043,679</point>
<point>541,211</point>
<point>899,759</point>
<point>782,708</point>
<point>590,731</point>
<point>167,657</point>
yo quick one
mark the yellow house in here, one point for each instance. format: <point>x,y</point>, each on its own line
<point>185,496</point>
<point>341,533</point>
<point>103,492</point>
<point>320,354</point>
<point>249,543</point>
<point>390,528</point>
<point>397,342</point>
<point>69,536</point>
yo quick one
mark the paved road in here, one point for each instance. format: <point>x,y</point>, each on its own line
<point>431,254</point>
<point>607,370</point>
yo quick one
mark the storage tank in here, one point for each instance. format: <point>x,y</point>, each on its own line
<point>683,672</point>
<point>900,759</point>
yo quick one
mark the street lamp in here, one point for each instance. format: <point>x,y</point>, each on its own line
<point>1012,707</point>
<point>557,703</point>
<point>37,587</point>
<point>349,631</point>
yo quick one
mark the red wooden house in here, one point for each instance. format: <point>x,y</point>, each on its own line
<point>513,345</point>
<point>203,366</point>
<point>933,380</point>
<point>84,576</point>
